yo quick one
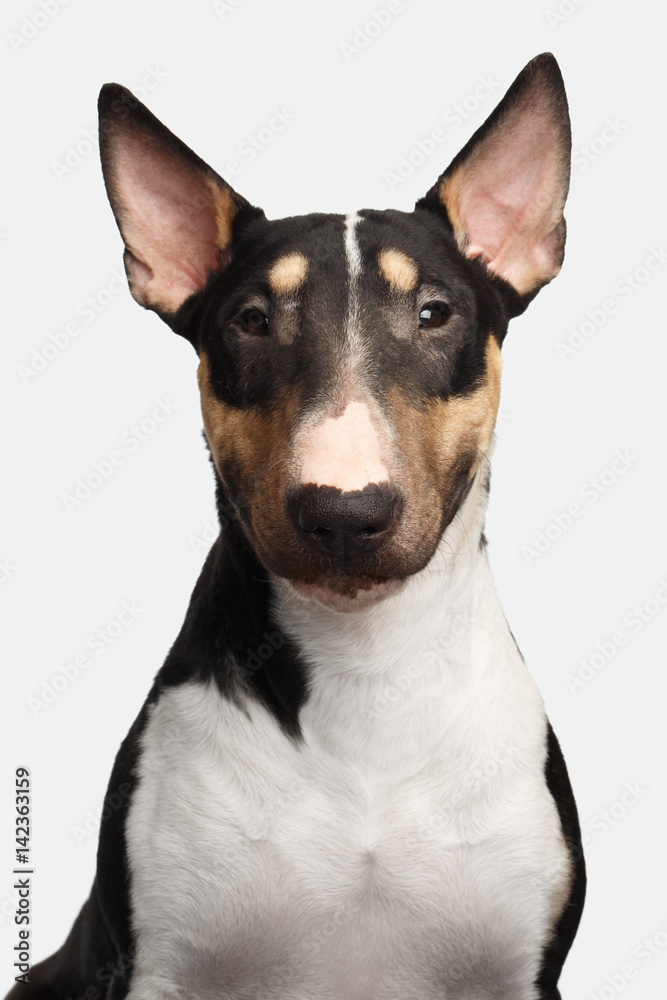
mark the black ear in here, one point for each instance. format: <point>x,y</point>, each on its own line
<point>504,193</point>
<point>174,212</point>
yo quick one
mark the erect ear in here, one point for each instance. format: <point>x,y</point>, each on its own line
<point>174,212</point>
<point>504,193</point>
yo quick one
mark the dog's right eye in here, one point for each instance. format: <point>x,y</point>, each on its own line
<point>434,315</point>
<point>254,321</point>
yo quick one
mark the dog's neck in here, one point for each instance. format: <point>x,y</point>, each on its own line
<point>376,676</point>
<point>444,622</point>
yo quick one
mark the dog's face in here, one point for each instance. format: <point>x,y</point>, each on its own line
<point>349,378</point>
<point>349,365</point>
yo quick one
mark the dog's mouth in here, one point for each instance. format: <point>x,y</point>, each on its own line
<point>352,594</point>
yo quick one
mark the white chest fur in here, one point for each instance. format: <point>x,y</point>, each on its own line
<point>407,847</point>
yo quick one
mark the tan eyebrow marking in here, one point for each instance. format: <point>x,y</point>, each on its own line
<point>288,273</point>
<point>399,270</point>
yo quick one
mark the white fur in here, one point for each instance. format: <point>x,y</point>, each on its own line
<point>406,849</point>
<point>354,352</point>
<point>344,441</point>
<point>352,246</point>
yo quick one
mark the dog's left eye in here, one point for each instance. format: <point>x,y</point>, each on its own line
<point>254,321</point>
<point>433,315</point>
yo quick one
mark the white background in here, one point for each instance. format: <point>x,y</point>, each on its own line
<point>214,77</point>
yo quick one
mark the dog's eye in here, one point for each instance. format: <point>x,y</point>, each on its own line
<point>254,321</point>
<point>433,315</point>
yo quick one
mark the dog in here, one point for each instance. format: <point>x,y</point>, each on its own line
<point>343,784</point>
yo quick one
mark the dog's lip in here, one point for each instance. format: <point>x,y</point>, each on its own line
<point>331,595</point>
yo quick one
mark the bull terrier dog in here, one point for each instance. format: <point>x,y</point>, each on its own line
<point>343,784</point>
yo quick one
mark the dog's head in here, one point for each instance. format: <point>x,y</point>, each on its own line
<point>349,365</point>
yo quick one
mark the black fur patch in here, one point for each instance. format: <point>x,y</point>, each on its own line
<point>228,637</point>
<point>558,783</point>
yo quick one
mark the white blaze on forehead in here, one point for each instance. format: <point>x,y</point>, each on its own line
<point>351,245</point>
<point>343,452</point>
<point>353,256</point>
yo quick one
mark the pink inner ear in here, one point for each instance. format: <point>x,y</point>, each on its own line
<point>506,200</point>
<point>169,220</point>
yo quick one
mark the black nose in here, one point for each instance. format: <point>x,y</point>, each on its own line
<point>345,525</point>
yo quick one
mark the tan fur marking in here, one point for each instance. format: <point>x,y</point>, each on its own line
<point>225,210</point>
<point>246,439</point>
<point>399,270</point>
<point>468,421</point>
<point>229,431</point>
<point>449,434</point>
<point>449,192</point>
<point>288,273</point>
<point>250,449</point>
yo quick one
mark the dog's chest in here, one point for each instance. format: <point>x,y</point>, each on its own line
<point>372,859</point>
